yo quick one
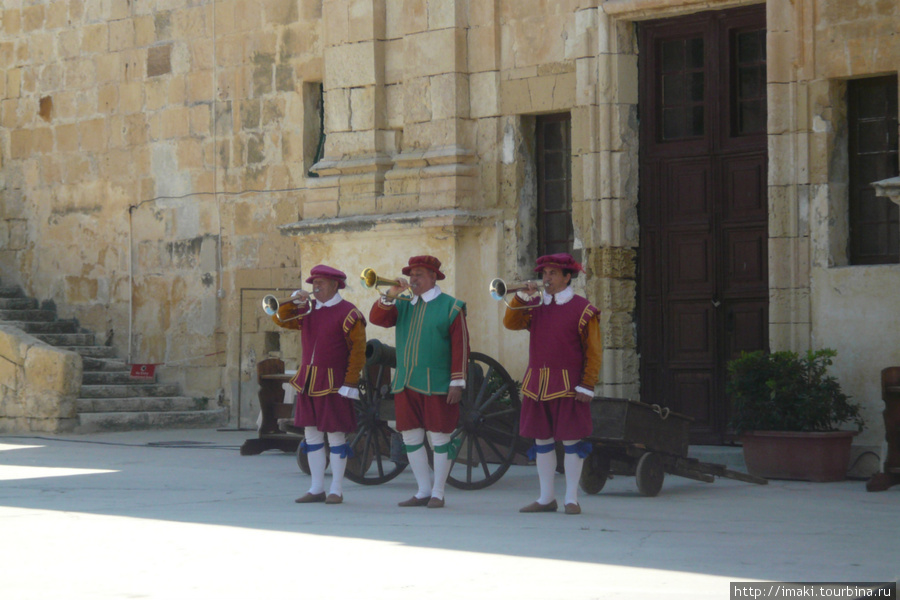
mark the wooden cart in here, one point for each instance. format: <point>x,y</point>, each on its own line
<point>629,437</point>
<point>645,441</point>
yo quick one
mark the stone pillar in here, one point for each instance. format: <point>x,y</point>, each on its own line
<point>357,146</point>
<point>792,180</point>
<point>435,168</point>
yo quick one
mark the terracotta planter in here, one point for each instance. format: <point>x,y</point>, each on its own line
<point>808,456</point>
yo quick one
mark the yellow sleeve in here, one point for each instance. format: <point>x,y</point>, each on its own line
<point>517,319</point>
<point>592,342</point>
<point>286,311</point>
<point>356,343</point>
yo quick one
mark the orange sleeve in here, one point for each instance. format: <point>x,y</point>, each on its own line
<point>592,343</point>
<point>356,344</point>
<point>288,310</point>
<point>517,319</point>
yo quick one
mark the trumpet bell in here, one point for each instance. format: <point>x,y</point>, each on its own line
<point>497,289</point>
<point>270,305</point>
<point>372,281</point>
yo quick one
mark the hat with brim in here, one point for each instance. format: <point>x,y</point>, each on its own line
<point>426,262</point>
<point>326,272</point>
<point>562,261</point>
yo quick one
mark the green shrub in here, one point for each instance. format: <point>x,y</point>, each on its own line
<point>784,391</point>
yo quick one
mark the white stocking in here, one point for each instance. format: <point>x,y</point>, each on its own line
<point>418,461</point>
<point>546,467</point>
<point>441,464</point>
<point>572,463</point>
<point>317,460</point>
<point>338,464</point>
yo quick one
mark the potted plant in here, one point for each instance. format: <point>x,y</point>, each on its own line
<point>787,409</point>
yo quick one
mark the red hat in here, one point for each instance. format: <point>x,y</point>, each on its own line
<point>328,273</point>
<point>561,261</point>
<point>428,262</point>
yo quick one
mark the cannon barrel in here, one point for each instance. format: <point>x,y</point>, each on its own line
<point>380,354</point>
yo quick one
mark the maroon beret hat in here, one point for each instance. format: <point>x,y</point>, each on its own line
<point>428,262</point>
<point>328,273</point>
<point>561,261</point>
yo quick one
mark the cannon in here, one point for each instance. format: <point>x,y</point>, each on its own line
<point>487,434</point>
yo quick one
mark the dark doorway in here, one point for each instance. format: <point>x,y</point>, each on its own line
<point>703,284</point>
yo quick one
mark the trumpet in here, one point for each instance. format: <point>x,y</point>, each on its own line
<point>499,289</point>
<point>271,305</point>
<point>371,280</point>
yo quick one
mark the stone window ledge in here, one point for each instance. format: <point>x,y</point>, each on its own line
<point>353,224</point>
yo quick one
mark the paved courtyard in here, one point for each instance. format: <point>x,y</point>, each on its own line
<point>173,515</point>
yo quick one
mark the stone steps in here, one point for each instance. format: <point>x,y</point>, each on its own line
<point>110,399</point>
<point>92,351</point>
<point>18,303</point>
<point>129,390</point>
<point>141,404</point>
<point>46,327</point>
<point>130,421</point>
<point>67,339</point>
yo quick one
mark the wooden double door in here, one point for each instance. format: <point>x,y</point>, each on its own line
<point>703,259</point>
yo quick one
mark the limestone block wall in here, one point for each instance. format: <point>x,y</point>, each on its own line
<point>851,308</point>
<point>38,384</point>
<point>155,165</point>
<point>148,152</point>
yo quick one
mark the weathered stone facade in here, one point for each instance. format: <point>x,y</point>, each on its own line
<point>38,384</point>
<point>155,159</point>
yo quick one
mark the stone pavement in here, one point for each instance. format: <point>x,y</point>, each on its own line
<point>174,515</point>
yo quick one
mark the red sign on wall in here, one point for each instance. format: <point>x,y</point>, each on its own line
<point>142,371</point>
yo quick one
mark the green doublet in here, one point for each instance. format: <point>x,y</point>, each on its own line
<point>423,344</point>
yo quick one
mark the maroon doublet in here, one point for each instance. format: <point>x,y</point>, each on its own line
<point>556,362</point>
<point>323,335</point>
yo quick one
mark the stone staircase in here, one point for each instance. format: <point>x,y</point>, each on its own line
<point>110,399</point>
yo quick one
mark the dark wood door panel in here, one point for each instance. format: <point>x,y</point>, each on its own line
<point>703,208</point>
<point>689,333</point>
<point>689,264</point>
<point>687,188</point>
<point>746,261</point>
<point>746,323</point>
<point>691,393</point>
<point>745,186</point>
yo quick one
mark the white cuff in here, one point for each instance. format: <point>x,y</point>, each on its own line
<point>521,295</point>
<point>387,301</point>
<point>584,390</point>
<point>349,392</point>
<point>458,383</point>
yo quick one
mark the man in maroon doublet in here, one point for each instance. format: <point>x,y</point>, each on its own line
<point>564,357</point>
<point>333,340</point>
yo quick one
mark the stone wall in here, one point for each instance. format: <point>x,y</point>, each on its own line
<point>155,164</point>
<point>38,384</point>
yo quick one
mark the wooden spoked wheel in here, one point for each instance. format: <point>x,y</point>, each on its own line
<point>378,453</point>
<point>488,430</point>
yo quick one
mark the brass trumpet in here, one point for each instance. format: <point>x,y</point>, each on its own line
<point>371,280</point>
<point>271,304</point>
<point>499,290</point>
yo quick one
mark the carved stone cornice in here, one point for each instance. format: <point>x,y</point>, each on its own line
<point>452,218</point>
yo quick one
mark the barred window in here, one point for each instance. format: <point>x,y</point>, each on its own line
<point>872,124</point>
<point>554,179</point>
